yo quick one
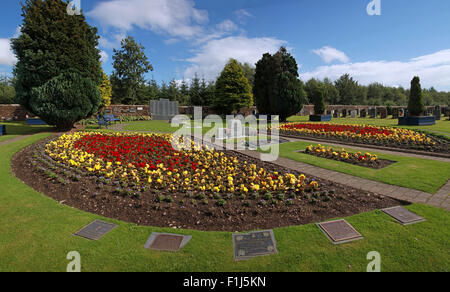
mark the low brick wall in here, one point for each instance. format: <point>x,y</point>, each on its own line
<point>13,112</point>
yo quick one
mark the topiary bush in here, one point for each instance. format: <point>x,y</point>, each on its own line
<point>319,100</point>
<point>416,106</point>
<point>65,99</point>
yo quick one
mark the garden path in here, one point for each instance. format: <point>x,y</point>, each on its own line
<point>441,199</point>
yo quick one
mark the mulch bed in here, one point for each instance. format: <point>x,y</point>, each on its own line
<point>379,164</point>
<point>85,192</point>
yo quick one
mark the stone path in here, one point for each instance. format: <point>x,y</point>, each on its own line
<point>368,149</point>
<point>441,199</point>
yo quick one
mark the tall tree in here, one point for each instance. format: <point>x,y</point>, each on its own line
<point>7,92</point>
<point>278,90</point>
<point>173,90</point>
<point>415,105</point>
<point>105,90</point>
<point>349,90</point>
<point>185,99</point>
<point>330,92</point>
<point>249,72</point>
<point>233,91</point>
<point>130,65</point>
<point>194,91</point>
<point>56,49</point>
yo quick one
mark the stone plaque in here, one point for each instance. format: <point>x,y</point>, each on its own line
<point>166,242</point>
<point>248,246</point>
<point>340,231</point>
<point>403,216</point>
<point>354,113</point>
<point>95,230</point>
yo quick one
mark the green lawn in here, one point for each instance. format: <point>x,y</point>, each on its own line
<point>414,173</point>
<point>14,129</point>
<point>442,127</point>
<point>36,235</point>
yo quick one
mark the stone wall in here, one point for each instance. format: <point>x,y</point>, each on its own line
<point>128,110</point>
<point>12,112</point>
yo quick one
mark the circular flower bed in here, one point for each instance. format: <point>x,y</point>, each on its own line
<point>141,178</point>
<point>151,160</point>
<point>361,134</point>
<point>358,158</point>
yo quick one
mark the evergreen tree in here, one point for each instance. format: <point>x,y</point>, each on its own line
<point>52,46</point>
<point>194,91</point>
<point>277,89</point>
<point>184,93</point>
<point>249,72</point>
<point>263,87</point>
<point>415,105</point>
<point>173,91</point>
<point>130,65</point>
<point>318,100</point>
<point>233,91</point>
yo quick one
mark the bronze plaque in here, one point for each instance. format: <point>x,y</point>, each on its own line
<point>403,216</point>
<point>95,230</point>
<point>340,231</point>
<point>167,242</point>
<point>248,246</point>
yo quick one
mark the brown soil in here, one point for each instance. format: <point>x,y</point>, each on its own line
<point>86,192</point>
<point>379,164</point>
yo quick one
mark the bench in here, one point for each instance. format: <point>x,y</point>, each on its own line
<point>2,130</point>
<point>36,122</point>
<point>102,122</point>
<point>111,118</point>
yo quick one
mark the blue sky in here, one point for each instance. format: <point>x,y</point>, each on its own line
<point>327,37</point>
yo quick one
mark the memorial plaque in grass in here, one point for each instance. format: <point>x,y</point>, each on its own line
<point>403,216</point>
<point>95,230</point>
<point>339,231</point>
<point>166,242</point>
<point>248,246</point>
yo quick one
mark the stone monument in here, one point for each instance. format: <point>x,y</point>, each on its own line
<point>163,109</point>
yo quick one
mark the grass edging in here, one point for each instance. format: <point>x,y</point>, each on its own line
<point>36,235</point>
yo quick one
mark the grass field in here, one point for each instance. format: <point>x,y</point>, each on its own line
<point>14,129</point>
<point>442,127</point>
<point>414,173</point>
<point>36,235</point>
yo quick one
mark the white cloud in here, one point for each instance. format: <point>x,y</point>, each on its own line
<point>433,70</point>
<point>104,57</point>
<point>227,25</point>
<point>329,54</point>
<point>242,15</point>
<point>7,57</point>
<point>212,56</point>
<point>177,18</point>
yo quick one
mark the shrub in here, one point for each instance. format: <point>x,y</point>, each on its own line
<point>416,106</point>
<point>65,99</point>
<point>319,100</point>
